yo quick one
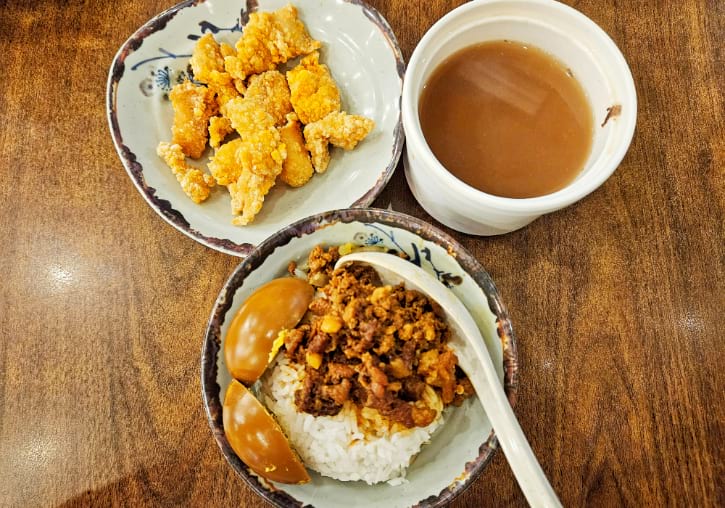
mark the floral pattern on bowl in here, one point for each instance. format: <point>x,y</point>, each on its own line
<point>364,58</point>
<point>462,447</point>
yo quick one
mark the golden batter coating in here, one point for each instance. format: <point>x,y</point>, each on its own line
<point>247,195</point>
<point>314,94</point>
<point>206,57</point>
<point>269,38</point>
<point>193,106</point>
<point>224,165</point>
<point>195,183</point>
<point>219,128</point>
<point>271,91</point>
<point>226,50</point>
<point>247,116</point>
<point>263,152</point>
<point>340,129</point>
<point>297,167</point>
<point>260,154</point>
<point>207,62</point>
<point>223,85</point>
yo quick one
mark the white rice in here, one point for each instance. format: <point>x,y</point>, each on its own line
<point>337,446</point>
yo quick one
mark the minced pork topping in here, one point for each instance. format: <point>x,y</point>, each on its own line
<point>377,346</point>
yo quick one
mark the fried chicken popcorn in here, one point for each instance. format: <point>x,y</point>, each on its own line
<point>247,116</point>
<point>249,168</point>
<point>269,39</point>
<point>260,154</point>
<point>271,91</point>
<point>207,63</point>
<point>314,94</point>
<point>339,129</point>
<point>297,167</point>
<point>224,165</point>
<point>196,184</point>
<point>193,106</point>
<point>207,57</point>
<point>239,96</point>
<point>248,196</point>
<point>263,152</point>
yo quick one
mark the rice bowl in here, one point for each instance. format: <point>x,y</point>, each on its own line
<point>460,448</point>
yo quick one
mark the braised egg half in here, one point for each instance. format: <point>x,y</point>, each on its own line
<point>257,439</point>
<point>273,308</point>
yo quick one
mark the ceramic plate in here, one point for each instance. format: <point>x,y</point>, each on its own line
<point>364,58</point>
<point>463,445</point>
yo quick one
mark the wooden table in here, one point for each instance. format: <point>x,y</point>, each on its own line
<point>617,301</point>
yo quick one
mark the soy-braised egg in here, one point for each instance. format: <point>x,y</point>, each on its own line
<point>257,438</point>
<point>276,306</point>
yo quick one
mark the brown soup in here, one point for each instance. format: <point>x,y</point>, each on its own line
<point>507,119</point>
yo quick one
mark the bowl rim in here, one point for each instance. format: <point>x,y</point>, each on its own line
<point>134,169</point>
<point>211,391</point>
<point>520,206</point>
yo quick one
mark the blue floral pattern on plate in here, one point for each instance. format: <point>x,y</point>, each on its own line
<point>164,78</point>
<point>416,255</point>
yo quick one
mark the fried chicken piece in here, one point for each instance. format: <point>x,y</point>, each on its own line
<point>206,57</point>
<point>340,129</point>
<point>262,150</point>
<point>248,196</point>
<point>260,154</point>
<point>207,63</point>
<point>314,94</point>
<point>297,167</point>
<point>219,128</point>
<point>268,39</point>
<point>195,183</point>
<point>226,50</point>
<point>224,86</point>
<point>224,165</point>
<point>271,91</point>
<point>193,106</point>
<point>247,116</point>
<point>263,153</point>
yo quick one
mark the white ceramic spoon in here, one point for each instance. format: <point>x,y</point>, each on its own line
<point>473,358</point>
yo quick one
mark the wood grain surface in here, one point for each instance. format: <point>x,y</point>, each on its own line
<point>617,301</point>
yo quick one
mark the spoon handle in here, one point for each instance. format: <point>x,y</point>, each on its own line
<point>520,456</point>
<point>474,359</point>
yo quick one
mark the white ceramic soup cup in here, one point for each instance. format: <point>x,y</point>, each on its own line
<point>564,33</point>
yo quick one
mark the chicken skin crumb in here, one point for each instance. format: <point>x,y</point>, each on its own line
<point>219,128</point>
